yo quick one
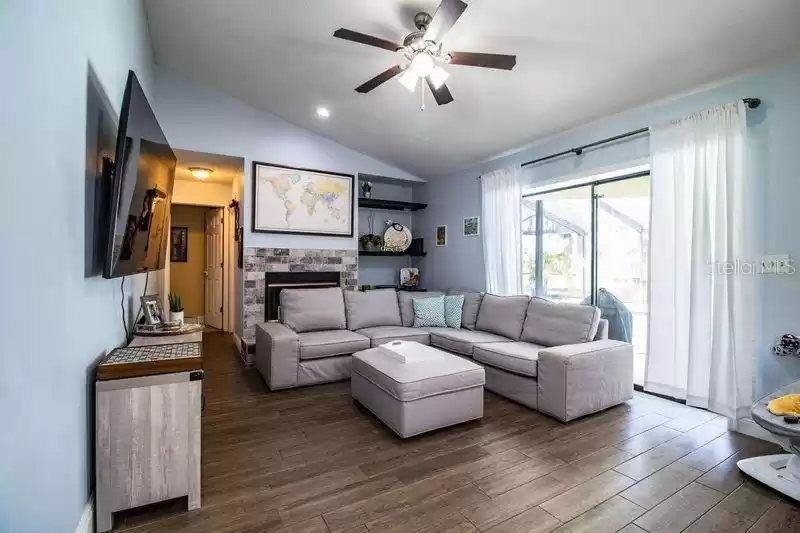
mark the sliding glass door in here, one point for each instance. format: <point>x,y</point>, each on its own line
<point>589,244</point>
<point>623,233</point>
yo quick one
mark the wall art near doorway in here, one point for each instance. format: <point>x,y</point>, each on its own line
<point>179,237</point>
<point>302,201</point>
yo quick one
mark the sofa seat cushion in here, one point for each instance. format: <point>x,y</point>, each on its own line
<point>440,373</point>
<point>461,340</point>
<point>319,344</point>
<point>382,334</point>
<point>517,357</point>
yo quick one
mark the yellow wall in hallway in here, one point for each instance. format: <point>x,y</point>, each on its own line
<point>187,279</point>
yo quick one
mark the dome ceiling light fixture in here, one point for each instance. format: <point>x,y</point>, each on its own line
<point>200,173</point>
<point>423,51</point>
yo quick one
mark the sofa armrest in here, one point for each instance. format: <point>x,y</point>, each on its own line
<point>578,379</point>
<point>277,355</point>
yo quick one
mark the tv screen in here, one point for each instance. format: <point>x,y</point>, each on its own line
<point>144,171</point>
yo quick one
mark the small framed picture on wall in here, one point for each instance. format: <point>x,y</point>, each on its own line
<point>179,238</point>
<point>472,226</point>
<point>441,236</point>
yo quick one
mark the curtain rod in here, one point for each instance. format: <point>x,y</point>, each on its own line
<point>751,103</point>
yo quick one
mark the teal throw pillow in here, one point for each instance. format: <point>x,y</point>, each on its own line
<point>452,310</point>
<point>429,312</point>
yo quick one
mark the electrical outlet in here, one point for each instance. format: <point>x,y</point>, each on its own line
<point>777,264</point>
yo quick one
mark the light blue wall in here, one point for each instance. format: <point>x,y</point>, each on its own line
<point>56,320</point>
<point>775,133</point>
<point>198,118</point>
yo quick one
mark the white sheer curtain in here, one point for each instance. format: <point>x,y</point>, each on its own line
<point>501,210</point>
<point>703,292</point>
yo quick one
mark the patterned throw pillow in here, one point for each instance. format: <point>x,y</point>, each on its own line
<point>452,310</point>
<point>429,312</point>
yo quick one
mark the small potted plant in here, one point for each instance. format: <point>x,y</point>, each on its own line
<point>175,308</point>
<point>371,243</point>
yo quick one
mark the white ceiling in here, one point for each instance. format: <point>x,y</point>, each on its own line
<point>225,168</point>
<point>577,60</point>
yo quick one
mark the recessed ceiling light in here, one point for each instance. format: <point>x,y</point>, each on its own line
<point>323,112</point>
<point>200,172</point>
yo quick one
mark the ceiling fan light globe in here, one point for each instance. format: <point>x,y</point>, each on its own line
<point>438,76</point>
<point>409,80</point>
<point>422,64</point>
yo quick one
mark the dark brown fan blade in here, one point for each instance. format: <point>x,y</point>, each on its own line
<point>350,35</point>
<point>472,59</point>
<point>383,77</point>
<point>446,15</point>
<point>442,94</point>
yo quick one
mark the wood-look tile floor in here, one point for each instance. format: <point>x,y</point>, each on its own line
<point>311,461</point>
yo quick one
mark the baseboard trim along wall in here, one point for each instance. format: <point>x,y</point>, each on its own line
<point>746,426</point>
<point>241,347</point>
<point>86,523</point>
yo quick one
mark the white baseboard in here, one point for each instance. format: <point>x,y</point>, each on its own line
<point>86,523</point>
<point>746,426</point>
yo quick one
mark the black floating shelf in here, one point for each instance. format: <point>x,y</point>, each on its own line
<point>364,253</point>
<point>374,203</point>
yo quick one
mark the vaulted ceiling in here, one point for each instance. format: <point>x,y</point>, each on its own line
<point>577,60</point>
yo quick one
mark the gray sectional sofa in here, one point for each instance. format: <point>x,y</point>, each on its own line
<point>555,358</point>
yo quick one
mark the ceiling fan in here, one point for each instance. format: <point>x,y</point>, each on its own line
<point>423,50</point>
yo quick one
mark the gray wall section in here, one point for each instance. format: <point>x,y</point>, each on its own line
<point>774,129</point>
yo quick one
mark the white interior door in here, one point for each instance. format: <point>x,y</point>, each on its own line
<point>214,267</point>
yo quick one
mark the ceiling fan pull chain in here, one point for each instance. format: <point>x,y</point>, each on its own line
<point>422,94</point>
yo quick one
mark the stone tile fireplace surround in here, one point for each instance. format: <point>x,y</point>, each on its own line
<point>259,261</point>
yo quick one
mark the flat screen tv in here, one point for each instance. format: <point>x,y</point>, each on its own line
<point>141,190</point>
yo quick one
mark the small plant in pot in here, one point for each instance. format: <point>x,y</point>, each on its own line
<point>371,243</point>
<point>175,308</point>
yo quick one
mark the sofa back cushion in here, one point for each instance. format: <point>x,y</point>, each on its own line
<point>406,301</point>
<point>313,309</point>
<point>557,324</point>
<point>371,308</point>
<point>502,315</point>
<point>469,310</point>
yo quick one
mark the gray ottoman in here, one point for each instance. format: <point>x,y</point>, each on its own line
<point>435,391</point>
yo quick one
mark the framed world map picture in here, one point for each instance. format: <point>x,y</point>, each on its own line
<point>302,201</point>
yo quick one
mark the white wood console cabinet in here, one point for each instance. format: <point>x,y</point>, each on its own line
<point>149,401</point>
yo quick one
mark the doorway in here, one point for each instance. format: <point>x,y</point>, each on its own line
<point>589,243</point>
<point>214,284</point>
<point>196,262</point>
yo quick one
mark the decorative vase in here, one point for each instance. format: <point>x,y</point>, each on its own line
<point>176,316</point>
